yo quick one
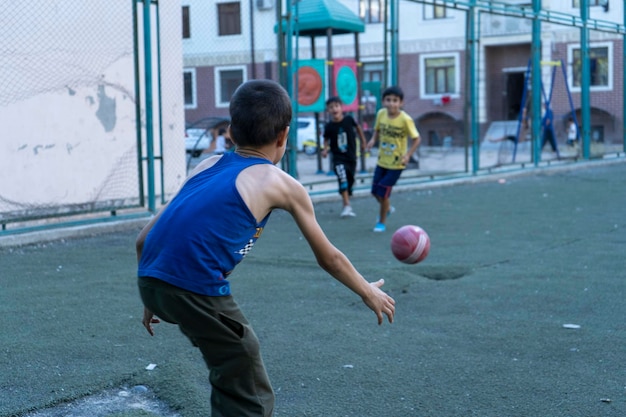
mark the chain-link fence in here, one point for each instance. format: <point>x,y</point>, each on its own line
<point>72,106</point>
<point>471,93</point>
<point>67,102</point>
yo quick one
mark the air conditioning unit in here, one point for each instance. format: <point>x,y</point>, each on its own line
<point>264,4</point>
<point>604,4</point>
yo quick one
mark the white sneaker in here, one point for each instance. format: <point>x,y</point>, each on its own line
<point>347,212</point>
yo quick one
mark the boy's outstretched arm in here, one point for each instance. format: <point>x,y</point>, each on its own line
<point>288,194</point>
<point>333,261</point>
<point>337,264</point>
<point>391,310</point>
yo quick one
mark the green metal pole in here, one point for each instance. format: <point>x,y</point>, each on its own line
<point>359,77</point>
<point>386,45</point>
<point>394,41</point>
<point>282,60</point>
<point>293,131</point>
<point>160,101</point>
<point>293,153</point>
<point>585,95</point>
<point>280,44</point>
<point>536,82</point>
<point>467,87</point>
<point>473,90</point>
<point>624,83</point>
<point>136,64</point>
<point>147,30</point>
<point>318,154</point>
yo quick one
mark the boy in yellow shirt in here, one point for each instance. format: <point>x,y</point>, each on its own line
<point>393,128</point>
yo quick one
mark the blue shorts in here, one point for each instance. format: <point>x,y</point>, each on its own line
<point>384,180</point>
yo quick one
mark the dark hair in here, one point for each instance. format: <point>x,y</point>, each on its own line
<point>333,99</point>
<point>259,111</point>
<point>394,90</point>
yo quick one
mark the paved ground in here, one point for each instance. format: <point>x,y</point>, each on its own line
<point>518,311</point>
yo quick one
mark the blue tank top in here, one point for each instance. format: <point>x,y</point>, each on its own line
<point>204,232</point>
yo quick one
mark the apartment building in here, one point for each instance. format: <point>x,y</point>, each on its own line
<point>227,42</point>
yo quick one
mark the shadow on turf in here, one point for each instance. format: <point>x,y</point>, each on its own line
<point>443,273</point>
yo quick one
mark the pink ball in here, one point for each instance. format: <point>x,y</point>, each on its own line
<point>410,244</point>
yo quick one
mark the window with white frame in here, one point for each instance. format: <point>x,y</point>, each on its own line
<point>227,79</point>
<point>371,11</point>
<point>189,88</point>
<point>373,71</point>
<point>600,66</point>
<point>435,11</point>
<point>439,74</point>
<point>229,18</point>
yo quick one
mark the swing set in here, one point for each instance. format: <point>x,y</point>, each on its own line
<point>547,100</point>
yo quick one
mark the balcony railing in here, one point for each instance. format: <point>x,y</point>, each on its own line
<point>499,25</point>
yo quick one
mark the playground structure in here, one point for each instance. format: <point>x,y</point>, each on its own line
<point>546,102</point>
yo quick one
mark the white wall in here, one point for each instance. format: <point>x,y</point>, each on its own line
<point>67,112</point>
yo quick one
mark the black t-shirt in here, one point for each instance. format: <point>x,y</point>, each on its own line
<point>342,137</point>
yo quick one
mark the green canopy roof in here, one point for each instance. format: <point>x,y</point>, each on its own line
<point>316,16</point>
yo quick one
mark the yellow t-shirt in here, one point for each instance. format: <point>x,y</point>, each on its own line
<point>393,137</point>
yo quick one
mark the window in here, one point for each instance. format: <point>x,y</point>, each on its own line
<point>371,11</point>
<point>600,66</point>
<point>439,74</point>
<point>434,11</point>
<point>189,88</point>
<point>229,16</point>
<point>227,79</point>
<point>603,3</point>
<point>373,71</point>
<point>576,3</point>
<point>186,23</point>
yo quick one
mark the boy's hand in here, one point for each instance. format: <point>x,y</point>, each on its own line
<point>380,303</point>
<point>148,320</point>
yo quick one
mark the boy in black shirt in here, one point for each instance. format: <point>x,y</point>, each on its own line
<point>340,138</point>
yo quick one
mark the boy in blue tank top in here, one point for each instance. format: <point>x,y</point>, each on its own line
<point>188,250</point>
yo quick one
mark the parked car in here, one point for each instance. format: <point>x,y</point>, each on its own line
<point>196,141</point>
<point>198,135</point>
<point>306,135</point>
